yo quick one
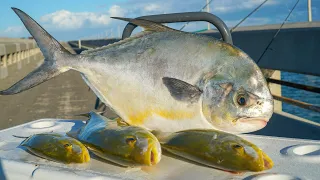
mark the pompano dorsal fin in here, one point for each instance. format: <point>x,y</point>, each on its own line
<point>147,25</point>
<point>138,35</point>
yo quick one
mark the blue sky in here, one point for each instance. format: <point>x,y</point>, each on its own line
<point>83,19</point>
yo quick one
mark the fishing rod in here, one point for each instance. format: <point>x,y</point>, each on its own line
<point>256,9</point>
<point>275,35</point>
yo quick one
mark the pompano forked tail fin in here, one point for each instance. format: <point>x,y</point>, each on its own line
<point>55,62</point>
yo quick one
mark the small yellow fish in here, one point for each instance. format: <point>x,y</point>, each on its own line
<point>129,146</point>
<point>57,147</point>
<point>216,149</point>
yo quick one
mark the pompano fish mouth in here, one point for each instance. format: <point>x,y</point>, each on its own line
<point>262,121</point>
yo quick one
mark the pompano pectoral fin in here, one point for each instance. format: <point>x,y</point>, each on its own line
<point>148,25</point>
<point>181,90</point>
<point>53,52</point>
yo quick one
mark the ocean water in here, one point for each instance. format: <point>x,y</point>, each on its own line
<point>301,95</point>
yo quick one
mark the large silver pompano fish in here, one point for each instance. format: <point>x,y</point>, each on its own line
<point>163,79</point>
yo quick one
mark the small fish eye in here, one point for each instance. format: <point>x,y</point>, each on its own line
<point>241,100</point>
<point>130,140</point>
<point>66,145</point>
<point>237,146</point>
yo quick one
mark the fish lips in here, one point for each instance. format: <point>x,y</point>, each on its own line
<point>267,161</point>
<point>257,121</point>
<point>154,153</point>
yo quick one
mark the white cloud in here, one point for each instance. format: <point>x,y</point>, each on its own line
<point>227,6</point>
<point>67,20</point>
<point>117,11</point>
<point>64,19</point>
<point>152,7</point>
<point>14,29</point>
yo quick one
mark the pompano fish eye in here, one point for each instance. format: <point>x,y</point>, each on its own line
<point>245,99</point>
<point>241,100</point>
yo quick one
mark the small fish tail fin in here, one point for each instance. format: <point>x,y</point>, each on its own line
<point>55,62</point>
<point>74,134</point>
<point>121,122</point>
<point>88,114</point>
<point>160,135</point>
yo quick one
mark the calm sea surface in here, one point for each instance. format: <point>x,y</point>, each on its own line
<point>305,96</point>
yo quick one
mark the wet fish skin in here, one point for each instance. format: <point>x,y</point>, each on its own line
<point>216,149</point>
<point>57,147</point>
<point>124,145</point>
<point>164,79</point>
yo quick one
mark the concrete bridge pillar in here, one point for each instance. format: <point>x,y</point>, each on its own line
<point>22,55</point>
<point>10,59</point>
<point>17,56</point>
<point>3,67</point>
<point>14,58</point>
<point>3,61</point>
<point>28,55</point>
<point>276,90</point>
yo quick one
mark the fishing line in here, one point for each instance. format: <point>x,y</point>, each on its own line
<point>32,174</point>
<point>22,137</point>
<point>200,11</point>
<point>275,35</point>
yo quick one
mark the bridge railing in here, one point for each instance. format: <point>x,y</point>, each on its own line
<point>14,50</point>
